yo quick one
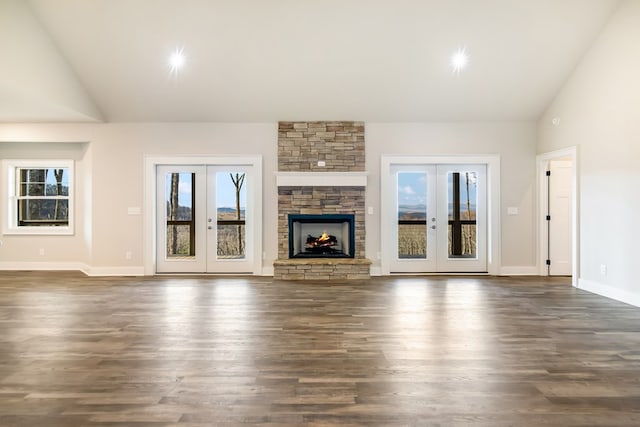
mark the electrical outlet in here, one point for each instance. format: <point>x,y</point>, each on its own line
<point>128,255</point>
<point>603,269</point>
<point>41,251</point>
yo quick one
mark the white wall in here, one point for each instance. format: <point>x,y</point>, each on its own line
<point>112,171</point>
<point>115,177</point>
<point>38,80</point>
<point>513,142</point>
<point>599,113</point>
<point>60,251</point>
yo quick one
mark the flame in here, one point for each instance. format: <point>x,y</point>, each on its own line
<point>324,237</point>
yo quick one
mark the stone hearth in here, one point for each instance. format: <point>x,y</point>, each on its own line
<point>322,269</point>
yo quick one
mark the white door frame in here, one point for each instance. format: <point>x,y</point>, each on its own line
<point>150,202</point>
<point>493,200</point>
<point>541,168</point>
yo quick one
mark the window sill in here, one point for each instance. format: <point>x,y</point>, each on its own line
<point>39,231</point>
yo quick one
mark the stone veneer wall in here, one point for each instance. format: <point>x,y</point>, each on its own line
<point>340,145</point>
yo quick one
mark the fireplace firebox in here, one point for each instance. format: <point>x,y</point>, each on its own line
<point>321,236</point>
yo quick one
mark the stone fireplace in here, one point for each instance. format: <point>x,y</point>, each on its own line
<point>321,179</point>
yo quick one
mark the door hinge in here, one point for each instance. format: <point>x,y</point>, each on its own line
<point>548,173</point>
<point>548,262</point>
<point>548,217</point>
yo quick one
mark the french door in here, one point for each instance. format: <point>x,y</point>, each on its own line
<point>437,218</point>
<point>205,219</point>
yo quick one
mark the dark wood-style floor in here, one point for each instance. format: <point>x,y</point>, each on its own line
<point>394,351</point>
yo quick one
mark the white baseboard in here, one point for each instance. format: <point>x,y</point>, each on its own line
<point>72,266</point>
<point>43,266</point>
<point>375,271</point>
<point>519,271</point>
<point>267,271</point>
<point>115,271</point>
<point>609,292</point>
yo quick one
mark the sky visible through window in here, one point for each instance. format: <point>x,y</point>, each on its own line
<point>225,191</point>
<point>412,189</point>
<point>51,178</point>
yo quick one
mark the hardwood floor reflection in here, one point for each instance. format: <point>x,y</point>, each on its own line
<point>393,351</point>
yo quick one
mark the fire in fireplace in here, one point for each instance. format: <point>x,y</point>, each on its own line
<point>321,236</point>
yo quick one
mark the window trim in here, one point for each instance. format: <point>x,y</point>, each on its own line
<point>10,198</point>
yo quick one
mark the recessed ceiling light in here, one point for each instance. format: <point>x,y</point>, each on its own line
<point>459,60</point>
<point>176,60</point>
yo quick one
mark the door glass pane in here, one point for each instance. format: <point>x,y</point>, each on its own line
<point>461,206</point>
<point>179,191</point>
<point>178,241</point>
<point>412,215</point>
<point>231,206</point>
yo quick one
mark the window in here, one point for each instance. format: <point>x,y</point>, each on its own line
<point>40,196</point>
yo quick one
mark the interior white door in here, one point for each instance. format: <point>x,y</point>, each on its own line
<point>205,220</point>
<point>439,220</point>
<point>560,223</point>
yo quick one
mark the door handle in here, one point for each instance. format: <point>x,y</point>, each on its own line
<point>433,227</point>
<point>210,227</point>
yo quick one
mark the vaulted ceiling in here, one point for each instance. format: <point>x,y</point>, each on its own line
<point>269,60</point>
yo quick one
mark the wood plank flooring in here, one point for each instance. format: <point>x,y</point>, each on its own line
<point>393,351</point>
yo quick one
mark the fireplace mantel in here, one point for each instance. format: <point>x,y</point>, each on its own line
<point>321,179</point>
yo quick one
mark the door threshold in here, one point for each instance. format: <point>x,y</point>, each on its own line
<point>203,274</point>
<point>442,273</point>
